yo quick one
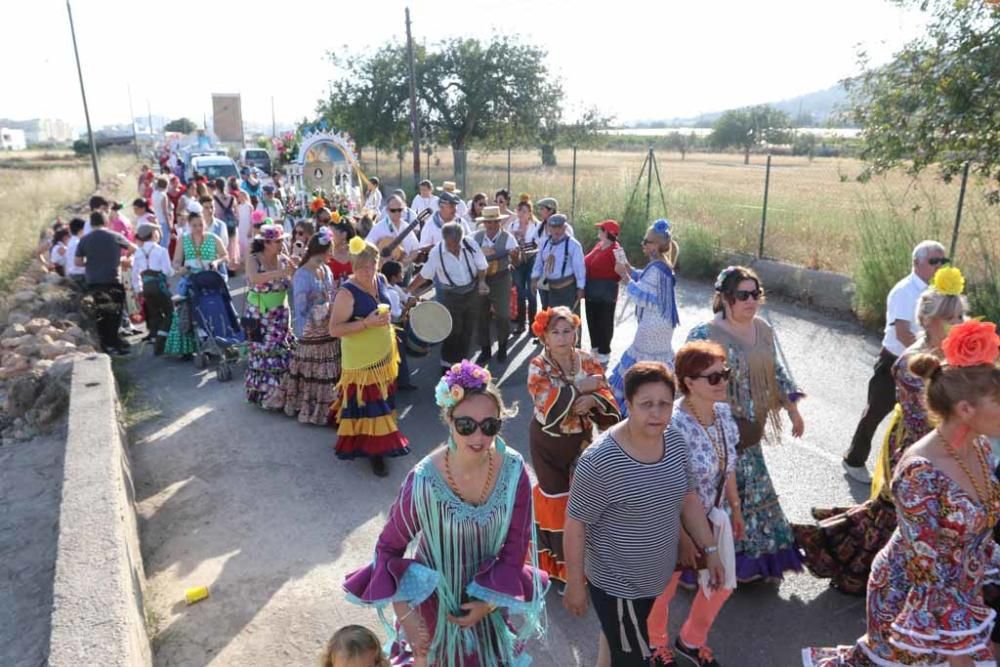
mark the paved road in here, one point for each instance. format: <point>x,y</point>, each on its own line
<point>255,506</point>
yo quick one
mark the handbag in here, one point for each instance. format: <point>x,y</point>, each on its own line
<point>252,329</point>
<point>751,433</point>
<point>701,563</point>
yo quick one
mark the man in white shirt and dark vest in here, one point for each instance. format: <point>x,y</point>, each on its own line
<point>559,272</point>
<point>901,330</point>
<point>458,268</point>
<point>500,249</point>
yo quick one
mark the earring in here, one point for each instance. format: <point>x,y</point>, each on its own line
<point>452,445</point>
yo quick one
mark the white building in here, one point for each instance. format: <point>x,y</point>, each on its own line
<point>41,130</point>
<point>12,139</point>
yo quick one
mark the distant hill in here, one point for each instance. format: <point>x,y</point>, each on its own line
<point>818,106</point>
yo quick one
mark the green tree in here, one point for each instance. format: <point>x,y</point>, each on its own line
<point>749,127</point>
<point>553,131</point>
<point>938,100</point>
<point>182,125</point>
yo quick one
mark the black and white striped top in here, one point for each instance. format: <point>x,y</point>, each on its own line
<point>632,511</point>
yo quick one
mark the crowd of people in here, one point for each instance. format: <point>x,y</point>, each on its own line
<point>647,475</point>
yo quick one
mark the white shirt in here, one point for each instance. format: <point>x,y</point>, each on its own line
<point>454,271</point>
<point>149,257</point>
<point>901,304</point>
<point>71,268</point>
<point>374,200</point>
<point>491,243</point>
<point>530,234</point>
<point>397,297</point>
<point>420,203</point>
<point>432,232</point>
<point>161,207</point>
<point>573,262</point>
<point>58,254</point>
<point>385,229</point>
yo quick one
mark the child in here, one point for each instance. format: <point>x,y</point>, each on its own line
<point>59,254</point>
<point>77,273</point>
<point>393,272</point>
<point>353,646</point>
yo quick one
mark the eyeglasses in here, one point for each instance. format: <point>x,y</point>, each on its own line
<point>467,425</point>
<point>939,261</point>
<point>718,376</point>
<point>395,210</point>
<point>644,241</point>
<point>744,294</point>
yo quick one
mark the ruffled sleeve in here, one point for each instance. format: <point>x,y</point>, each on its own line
<point>390,577</point>
<point>505,580</point>
<point>936,617</point>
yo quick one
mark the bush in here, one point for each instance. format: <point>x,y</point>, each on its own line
<point>884,257</point>
<point>700,252</point>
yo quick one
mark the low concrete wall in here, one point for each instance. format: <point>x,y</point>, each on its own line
<point>822,290</point>
<point>97,616</point>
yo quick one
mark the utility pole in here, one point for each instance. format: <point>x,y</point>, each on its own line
<point>274,126</point>
<point>414,118</point>
<point>83,94</point>
<point>149,119</point>
<point>131,114</point>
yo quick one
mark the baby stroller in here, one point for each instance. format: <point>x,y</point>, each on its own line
<point>215,322</point>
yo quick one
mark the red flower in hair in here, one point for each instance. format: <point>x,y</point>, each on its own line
<point>316,204</point>
<point>541,322</point>
<point>972,343</point>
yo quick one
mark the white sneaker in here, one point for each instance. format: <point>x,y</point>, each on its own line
<point>857,473</point>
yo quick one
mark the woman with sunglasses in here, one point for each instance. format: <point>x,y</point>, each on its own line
<point>475,210</point>
<point>758,390</point>
<point>570,395</point>
<point>706,423</point>
<point>308,388</point>
<point>652,291</point>
<point>466,510</point>
<point>844,543</point>
<point>269,274</point>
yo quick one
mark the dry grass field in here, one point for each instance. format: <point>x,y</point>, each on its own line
<point>35,187</point>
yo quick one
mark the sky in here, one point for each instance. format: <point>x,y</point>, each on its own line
<point>632,59</point>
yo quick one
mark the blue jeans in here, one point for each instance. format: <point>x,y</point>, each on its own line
<point>522,282</point>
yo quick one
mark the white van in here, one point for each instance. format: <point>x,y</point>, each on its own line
<point>212,167</point>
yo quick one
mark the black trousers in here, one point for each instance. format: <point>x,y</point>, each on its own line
<point>159,312</point>
<point>881,400</point>
<point>495,307</point>
<point>601,324</point>
<point>617,622</point>
<point>109,304</point>
<point>464,309</point>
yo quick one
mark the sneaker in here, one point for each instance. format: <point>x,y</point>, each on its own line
<point>379,467</point>
<point>857,473</point>
<point>696,657</point>
<point>662,657</point>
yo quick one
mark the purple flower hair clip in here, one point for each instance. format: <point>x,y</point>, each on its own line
<point>458,380</point>
<point>325,236</point>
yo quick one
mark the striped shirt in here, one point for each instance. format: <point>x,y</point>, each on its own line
<point>632,512</point>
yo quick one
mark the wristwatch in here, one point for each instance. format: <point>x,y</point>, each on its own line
<point>710,549</point>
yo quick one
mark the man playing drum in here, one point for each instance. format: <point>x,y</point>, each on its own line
<point>500,249</point>
<point>458,268</point>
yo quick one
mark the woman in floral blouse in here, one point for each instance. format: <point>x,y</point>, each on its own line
<point>843,544</point>
<point>570,394</point>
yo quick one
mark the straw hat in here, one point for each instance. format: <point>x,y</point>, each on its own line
<point>449,186</point>
<point>491,214</point>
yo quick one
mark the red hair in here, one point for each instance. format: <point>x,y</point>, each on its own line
<point>695,358</point>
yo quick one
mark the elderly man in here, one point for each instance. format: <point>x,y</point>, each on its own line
<point>901,331</point>
<point>548,207</point>
<point>458,268</point>
<point>447,211</point>
<point>391,226</point>
<point>451,188</point>
<point>500,250</point>
<point>559,271</point>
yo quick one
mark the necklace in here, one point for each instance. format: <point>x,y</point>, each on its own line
<point>718,447</point>
<point>454,487</point>
<point>987,500</point>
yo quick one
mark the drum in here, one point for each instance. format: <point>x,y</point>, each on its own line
<point>430,323</point>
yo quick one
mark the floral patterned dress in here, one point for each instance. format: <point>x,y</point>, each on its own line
<point>925,591</point>
<point>268,358</point>
<point>844,543</point>
<point>768,549</point>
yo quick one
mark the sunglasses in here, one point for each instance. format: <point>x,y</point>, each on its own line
<point>645,241</point>
<point>395,210</point>
<point>939,261</point>
<point>744,294</point>
<point>300,233</point>
<point>467,425</point>
<point>718,376</point>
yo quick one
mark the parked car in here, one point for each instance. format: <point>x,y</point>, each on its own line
<point>212,166</point>
<point>256,157</point>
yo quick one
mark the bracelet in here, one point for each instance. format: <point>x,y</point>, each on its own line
<point>709,549</point>
<point>406,615</point>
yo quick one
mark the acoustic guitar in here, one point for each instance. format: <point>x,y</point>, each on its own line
<point>390,248</point>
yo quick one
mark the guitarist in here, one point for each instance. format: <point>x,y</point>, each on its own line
<point>525,228</point>
<point>500,250</point>
<point>389,228</point>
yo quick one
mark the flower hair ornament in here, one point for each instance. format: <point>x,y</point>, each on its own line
<point>316,204</point>
<point>325,236</point>
<point>458,380</point>
<point>541,322</point>
<point>972,343</point>
<point>357,245</point>
<point>721,278</point>
<point>662,227</point>
<point>335,217</point>
<point>948,281</point>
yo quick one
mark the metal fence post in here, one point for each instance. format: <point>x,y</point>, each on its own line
<point>958,213</point>
<point>376,160</point>
<point>649,178</point>
<point>763,214</point>
<point>400,172</point>
<point>508,169</point>
<point>572,208</point>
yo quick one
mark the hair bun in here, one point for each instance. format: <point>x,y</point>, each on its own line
<point>925,366</point>
<point>524,197</point>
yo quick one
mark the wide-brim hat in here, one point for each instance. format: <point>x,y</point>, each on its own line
<point>270,233</point>
<point>449,186</point>
<point>492,214</point>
